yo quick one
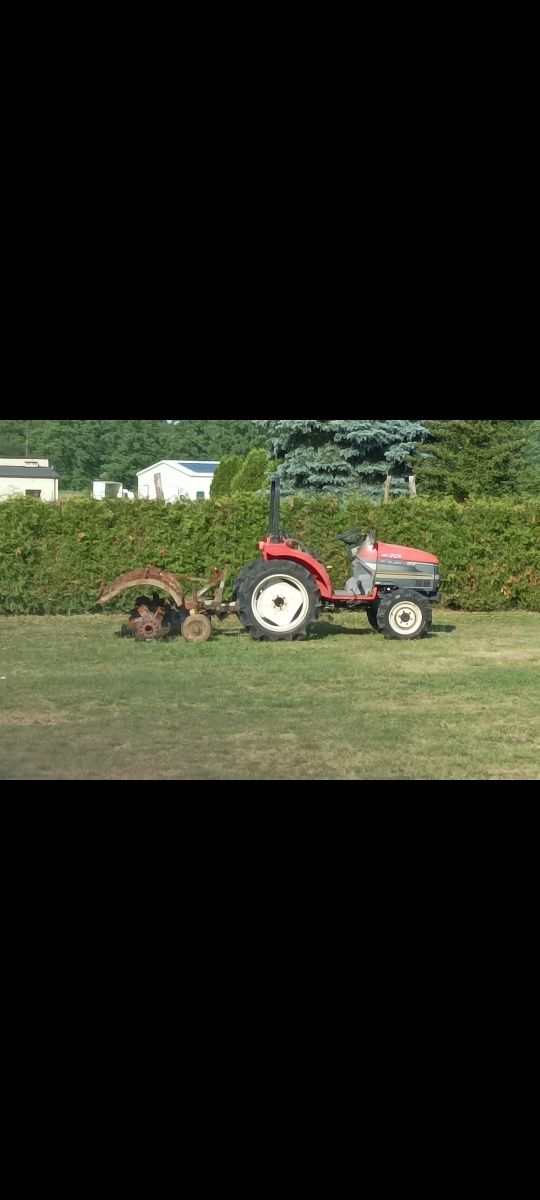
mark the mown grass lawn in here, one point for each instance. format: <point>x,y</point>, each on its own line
<point>77,702</point>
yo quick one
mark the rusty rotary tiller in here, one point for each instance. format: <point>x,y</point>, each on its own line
<point>151,619</point>
<point>146,622</point>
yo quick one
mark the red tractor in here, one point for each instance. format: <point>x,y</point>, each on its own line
<point>279,597</point>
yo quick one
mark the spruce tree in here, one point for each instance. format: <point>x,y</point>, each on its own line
<point>344,456</point>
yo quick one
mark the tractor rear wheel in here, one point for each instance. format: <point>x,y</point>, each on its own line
<point>371,613</point>
<point>404,614</point>
<point>243,575</point>
<point>278,601</point>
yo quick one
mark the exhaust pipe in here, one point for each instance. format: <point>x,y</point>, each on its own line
<point>273,528</point>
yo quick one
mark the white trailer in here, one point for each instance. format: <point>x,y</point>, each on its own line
<point>107,489</point>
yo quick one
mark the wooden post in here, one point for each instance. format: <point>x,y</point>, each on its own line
<point>412,485</point>
<point>159,489</point>
<point>387,487</point>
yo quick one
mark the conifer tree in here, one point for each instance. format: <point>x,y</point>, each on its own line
<point>254,472</point>
<point>224,474</point>
<point>530,470</point>
<point>471,458</point>
<point>344,456</point>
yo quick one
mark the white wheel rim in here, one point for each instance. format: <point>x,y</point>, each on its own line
<point>405,618</point>
<point>280,602</point>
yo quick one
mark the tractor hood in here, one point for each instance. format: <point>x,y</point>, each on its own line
<point>387,552</point>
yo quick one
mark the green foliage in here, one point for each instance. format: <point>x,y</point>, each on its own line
<point>221,484</point>
<point>212,439</point>
<point>54,558</point>
<point>82,451</point>
<point>253,474</point>
<point>530,460</point>
<point>463,459</point>
<point>242,475</point>
<point>341,457</point>
<point>13,439</point>
<point>128,446</point>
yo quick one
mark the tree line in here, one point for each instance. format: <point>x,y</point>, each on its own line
<point>462,459</point>
<point>81,451</point>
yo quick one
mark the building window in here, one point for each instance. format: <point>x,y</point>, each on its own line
<point>32,492</point>
<point>200,496</point>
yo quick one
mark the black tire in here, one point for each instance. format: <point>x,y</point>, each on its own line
<point>300,599</point>
<point>371,613</point>
<point>404,615</point>
<point>243,575</point>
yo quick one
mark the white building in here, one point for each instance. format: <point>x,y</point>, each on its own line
<point>28,477</point>
<point>24,462</point>
<point>176,479</point>
<point>107,489</point>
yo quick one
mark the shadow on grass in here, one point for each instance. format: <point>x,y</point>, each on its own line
<point>319,631</point>
<point>324,629</point>
<point>219,631</point>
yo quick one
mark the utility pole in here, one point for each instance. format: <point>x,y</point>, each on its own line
<point>27,436</point>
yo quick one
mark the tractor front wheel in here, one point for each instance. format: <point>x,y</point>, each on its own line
<point>278,601</point>
<point>404,614</point>
<point>371,613</point>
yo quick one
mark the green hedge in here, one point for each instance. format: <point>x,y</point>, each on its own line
<point>54,557</point>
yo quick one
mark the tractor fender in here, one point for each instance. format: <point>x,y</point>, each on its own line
<point>272,550</point>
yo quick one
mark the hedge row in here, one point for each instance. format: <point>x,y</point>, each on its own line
<point>55,557</point>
